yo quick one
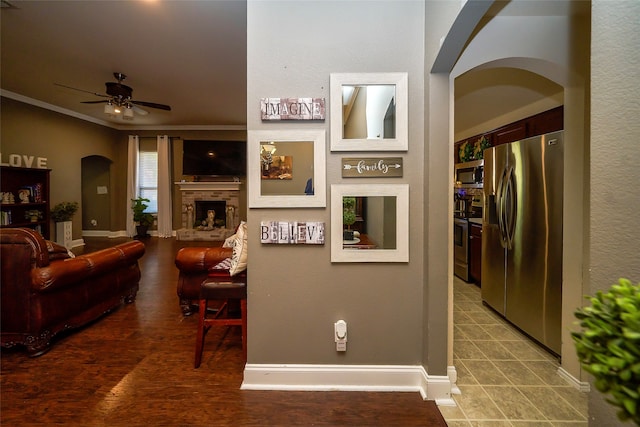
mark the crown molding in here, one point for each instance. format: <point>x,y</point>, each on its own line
<point>66,112</point>
<point>51,107</point>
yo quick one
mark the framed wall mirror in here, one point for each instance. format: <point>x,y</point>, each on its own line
<point>370,223</point>
<point>369,111</point>
<point>286,169</point>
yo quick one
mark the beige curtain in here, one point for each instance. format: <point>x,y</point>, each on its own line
<point>165,219</point>
<point>132,181</point>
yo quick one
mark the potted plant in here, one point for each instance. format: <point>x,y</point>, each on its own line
<point>33,215</point>
<point>348,216</point>
<point>608,347</point>
<point>62,214</point>
<point>64,211</point>
<point>142,219</point>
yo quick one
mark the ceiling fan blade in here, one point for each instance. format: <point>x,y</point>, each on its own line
<point>152,105</point>
<point>94,102</point>
<point>139,110</point>
<point>82,90</point>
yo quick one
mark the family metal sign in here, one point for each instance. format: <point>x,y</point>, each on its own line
<point>371,167</point>
<point>292,108</point>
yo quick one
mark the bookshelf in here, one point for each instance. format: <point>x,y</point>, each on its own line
<point>24,190</point>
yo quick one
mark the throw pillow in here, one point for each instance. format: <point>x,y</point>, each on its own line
<point>57,251</point>
<point>239,257</point>
<point>225,264</point>
<point>229,241</point>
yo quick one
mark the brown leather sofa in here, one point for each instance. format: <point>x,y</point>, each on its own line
<point>46,291</point>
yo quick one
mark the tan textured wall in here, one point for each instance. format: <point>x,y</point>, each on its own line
<point>64,141</point>
<point>615,176</point>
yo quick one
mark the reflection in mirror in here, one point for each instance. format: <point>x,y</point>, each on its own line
<point>286,168</point>
<point>369,111</point>
<point>369,222</point>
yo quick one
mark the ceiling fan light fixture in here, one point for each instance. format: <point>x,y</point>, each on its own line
<point>118,99</point>
<point>110,109</point>
<point>128,113</point>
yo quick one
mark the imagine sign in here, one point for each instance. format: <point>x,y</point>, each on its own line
<point>292,108</point>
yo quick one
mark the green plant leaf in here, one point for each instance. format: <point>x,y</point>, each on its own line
<point>630,406</point>
<point>632,393</point>
<point>608,345</point>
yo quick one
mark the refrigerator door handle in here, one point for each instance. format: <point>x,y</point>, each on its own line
<point>500,198</point>
<point>511,209</point>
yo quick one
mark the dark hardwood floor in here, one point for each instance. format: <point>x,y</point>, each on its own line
<point>134,367</point>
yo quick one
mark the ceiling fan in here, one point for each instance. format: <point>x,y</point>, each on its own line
<point>119,99</point>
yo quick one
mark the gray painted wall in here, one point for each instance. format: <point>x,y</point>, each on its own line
<point>296,293</point>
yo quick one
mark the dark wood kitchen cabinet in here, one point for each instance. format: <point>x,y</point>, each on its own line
<point>475,250</point>
<point>545,122</point>
<point>513,132</point>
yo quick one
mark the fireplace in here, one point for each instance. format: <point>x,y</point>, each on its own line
<point>200,197</point>
<point>202,207</point>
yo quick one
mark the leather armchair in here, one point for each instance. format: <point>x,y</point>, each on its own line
<point>194,264</point>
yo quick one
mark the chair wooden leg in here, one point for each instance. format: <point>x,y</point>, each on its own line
<point>220,318</point>
<point>202,310</point>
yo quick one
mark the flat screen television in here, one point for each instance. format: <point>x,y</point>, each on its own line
<point>214,158</point>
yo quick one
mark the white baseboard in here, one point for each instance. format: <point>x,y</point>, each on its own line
<point>453,377</point>
<point>77,242</point>
<point>114,234</point>
<point>96,233</point>
<point>580,385</point>
<point>390,378</point>
<point>104,233</point>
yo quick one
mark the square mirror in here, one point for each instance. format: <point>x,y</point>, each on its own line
<point>370,223</point>
<point>286,169</point>
<point>369,112</point>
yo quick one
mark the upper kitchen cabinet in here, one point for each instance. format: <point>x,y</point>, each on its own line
<point>539,124</point>
<point>549,121</point>
<point>510,133</point>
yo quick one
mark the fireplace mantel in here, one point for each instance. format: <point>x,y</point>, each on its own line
<point>209,186</point>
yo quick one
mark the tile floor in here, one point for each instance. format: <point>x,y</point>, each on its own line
<point>504,378</point>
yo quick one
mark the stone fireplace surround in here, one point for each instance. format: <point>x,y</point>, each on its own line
<point>228,192</point>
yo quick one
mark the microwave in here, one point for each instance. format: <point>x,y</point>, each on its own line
<point>469,174</point>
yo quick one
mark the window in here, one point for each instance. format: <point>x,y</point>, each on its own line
<point>148,178</point>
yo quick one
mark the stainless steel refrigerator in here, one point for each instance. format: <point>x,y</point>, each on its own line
<point>522,235</point>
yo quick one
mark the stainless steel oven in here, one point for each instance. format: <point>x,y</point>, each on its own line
<point>461,248</point>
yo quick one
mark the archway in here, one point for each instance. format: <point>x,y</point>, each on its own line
<point>96,196</point>
<point>569,92</point>
<point>549,46</point>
